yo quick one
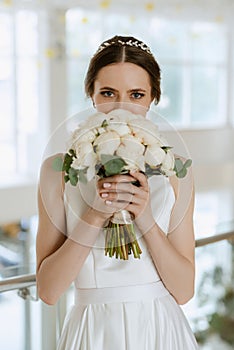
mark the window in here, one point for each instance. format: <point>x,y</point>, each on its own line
<point>19,92</point>
<point>193,58</point>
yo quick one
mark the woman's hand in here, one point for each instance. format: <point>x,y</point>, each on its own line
<point>119,192</point>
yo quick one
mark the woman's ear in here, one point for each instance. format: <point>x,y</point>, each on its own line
<point>94,106</point>
<point>152,100</point>
<point>155,101</point>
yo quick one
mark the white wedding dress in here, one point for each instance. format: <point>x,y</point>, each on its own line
<point>123,305</point>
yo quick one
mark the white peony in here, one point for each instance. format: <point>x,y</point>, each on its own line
<point>154,155</point>
<point>131,150</point>
<point>83,135</point>
<point>133,144</point>
<point>129,136</point>
<point>145,131</point>
<point>168,163</point>
<point>91,172</point>
<point>85,156</point>
<point>94,121</point>
<point>120,127</point>
<point>101,130</point>
<point>107,143</point>
<point>123,115</point>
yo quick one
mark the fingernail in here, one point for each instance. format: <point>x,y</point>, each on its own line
<point>108,202</point>
<point>104,195</point>
<point>106,185</point>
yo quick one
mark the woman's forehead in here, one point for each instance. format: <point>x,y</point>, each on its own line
<point>128,73</point>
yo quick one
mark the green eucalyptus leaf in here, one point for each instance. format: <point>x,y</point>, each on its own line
<point>188,163</point>
<point>180,168</point>
<point>82,175</point>
<point>106,157</point>
<point>57,164</point>
<point>66,178</point>
<point>73,176</point>
<point>112,164</point>
<point>178,165</point>
<point>182,173</point>
<point>68,159</point>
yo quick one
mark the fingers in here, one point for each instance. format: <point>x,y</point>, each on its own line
<point>115,179</point>
<point>141,178</point>
<point>119,187</point>
<point>121,197</point>
<point>119,191</point>
<point>124,183</point>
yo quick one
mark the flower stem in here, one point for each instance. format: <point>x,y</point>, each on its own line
<point>121,241</point>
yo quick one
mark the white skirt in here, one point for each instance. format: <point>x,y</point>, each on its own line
<point>144,317</point>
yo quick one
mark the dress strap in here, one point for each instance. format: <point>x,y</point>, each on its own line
<point>120,294</point>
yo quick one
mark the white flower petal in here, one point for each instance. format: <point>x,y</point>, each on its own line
<point>134,160</point>
<point>90,159</point>
<point>101,130</point>
<point>94,121</point>
<point>154,155</point>
<point>120,127</point>
<point>107,143</point>
<point>169,172</point>
<point>83,148</point>
<point>119,114</point>
<point>76,164</point>
<point>90,173</point>
<point>132,144</point>
<point>168,162</point>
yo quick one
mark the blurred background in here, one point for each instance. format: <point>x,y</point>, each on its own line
<point>45,47</point>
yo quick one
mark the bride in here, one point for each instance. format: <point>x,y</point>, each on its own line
<point>129,304</point>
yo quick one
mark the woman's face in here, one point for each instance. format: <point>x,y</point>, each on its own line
<point>122,85</point>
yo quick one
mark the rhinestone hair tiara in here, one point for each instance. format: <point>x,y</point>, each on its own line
<point>132,43</point>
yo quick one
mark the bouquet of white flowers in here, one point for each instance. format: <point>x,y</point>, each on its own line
<point>115,143</point>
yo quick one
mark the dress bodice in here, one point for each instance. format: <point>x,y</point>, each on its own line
<point>101,271</point>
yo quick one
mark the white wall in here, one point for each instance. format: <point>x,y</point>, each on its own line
<point>212,151</point>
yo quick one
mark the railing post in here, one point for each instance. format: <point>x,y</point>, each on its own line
<point>61,313</point>
<point>52,318</point>
<point>48,327</point>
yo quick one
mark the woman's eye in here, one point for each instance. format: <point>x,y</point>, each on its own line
<point>107,93</point>
<point>137,95</point>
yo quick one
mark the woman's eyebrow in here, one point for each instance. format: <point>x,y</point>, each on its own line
<point>108,88</point>
<point>136,90</point>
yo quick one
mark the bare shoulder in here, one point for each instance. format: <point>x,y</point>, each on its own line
<point>51,211</point>
<point>50,164</point>
<point>51,191</point>
<point>51,177</point>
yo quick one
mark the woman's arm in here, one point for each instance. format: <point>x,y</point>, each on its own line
<point>173,255</point>
<point>59,259</point>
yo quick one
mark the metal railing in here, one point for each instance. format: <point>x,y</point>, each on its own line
<point>18,282</point>
<point>215,238</point>
<point>23,282</point>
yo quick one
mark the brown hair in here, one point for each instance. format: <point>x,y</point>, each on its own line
<point>124,49</point>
